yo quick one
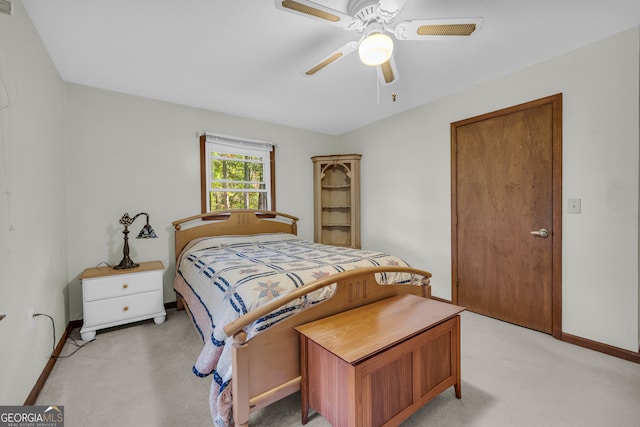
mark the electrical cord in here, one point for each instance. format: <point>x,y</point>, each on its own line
<point>105,263</point>
<point>53,346</point>
<point>75,343</point>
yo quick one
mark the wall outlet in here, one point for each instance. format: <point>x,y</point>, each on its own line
<point>31,319</point>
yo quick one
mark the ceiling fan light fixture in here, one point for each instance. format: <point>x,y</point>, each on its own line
<point>375,49</point>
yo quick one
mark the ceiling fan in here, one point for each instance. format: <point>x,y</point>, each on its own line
<point>375,19</point>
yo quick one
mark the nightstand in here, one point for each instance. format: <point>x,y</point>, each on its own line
<point>115,297</point>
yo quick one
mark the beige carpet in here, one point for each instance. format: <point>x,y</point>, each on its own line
<point>140,375</point>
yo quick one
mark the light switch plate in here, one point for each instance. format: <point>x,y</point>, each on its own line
<point>574,206</point>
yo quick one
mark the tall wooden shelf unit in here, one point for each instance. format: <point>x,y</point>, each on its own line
<point>336,199</point>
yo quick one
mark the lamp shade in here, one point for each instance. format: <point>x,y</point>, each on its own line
<point>375,49</point>
<point>147,233</point>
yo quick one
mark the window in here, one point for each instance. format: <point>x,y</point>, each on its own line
<point>236,173</point>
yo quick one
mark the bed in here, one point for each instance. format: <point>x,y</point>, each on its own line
<point>246,313</point>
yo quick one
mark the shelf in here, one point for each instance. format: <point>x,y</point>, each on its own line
<point>336,192</point>
<point>336,187</point>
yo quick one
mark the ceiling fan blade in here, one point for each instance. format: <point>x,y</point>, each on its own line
<point>333,57</point>
<point>387,72</point>
<point>438,29</point>
<point>320,12</point>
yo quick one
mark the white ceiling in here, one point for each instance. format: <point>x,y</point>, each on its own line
<point>245,57</point>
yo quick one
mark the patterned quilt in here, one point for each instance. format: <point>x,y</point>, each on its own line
<point>222,278</point>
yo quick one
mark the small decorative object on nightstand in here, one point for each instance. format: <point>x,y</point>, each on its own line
<point>146,233</point>
<point>114,297</point>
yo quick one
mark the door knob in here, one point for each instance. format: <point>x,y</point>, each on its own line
<point>543,232</point>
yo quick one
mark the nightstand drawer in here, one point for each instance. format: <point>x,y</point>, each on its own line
<point>122,308</point>
<point>121,285</point>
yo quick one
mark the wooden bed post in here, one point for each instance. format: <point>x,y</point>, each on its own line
<point>240,382</point>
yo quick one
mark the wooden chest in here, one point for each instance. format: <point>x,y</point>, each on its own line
<point>377,364</point>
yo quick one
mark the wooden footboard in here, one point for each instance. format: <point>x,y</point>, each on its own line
<point>266,368</point>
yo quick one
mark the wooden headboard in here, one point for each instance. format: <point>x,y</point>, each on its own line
<point>232,222</point>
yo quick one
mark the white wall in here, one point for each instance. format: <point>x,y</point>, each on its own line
<point>407,184</point>
<point>132,154</point>
<point>33,245</point>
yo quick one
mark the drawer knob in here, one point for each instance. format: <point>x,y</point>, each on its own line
<point>125,308</point>
<point>125,286</point>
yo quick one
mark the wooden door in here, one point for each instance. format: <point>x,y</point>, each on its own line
<point>506,185</point>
